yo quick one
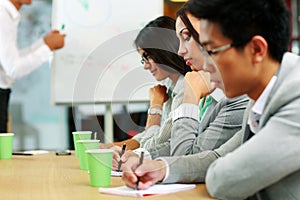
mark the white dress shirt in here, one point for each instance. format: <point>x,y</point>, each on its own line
<point>259,105</point>
<point>15,63</point>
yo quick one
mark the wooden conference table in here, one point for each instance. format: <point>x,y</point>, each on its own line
<point>48,176</point>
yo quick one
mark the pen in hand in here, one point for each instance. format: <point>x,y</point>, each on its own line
<point>141,162</point>
<point>121,154</point>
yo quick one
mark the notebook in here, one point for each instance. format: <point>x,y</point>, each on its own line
<point>153,190</point>
<point>116,173</point>
<point>31,152</point>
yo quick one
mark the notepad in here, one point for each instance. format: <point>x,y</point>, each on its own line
<point>153,190</point>
<point>31,152</point>
<point>115,173</point>
<point>36,152</point>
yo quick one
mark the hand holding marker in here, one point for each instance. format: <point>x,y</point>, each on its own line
<point>62,29</point>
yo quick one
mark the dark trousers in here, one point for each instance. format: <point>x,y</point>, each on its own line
<point>4,99</point>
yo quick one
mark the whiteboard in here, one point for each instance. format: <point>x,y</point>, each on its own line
<point>99,63</point>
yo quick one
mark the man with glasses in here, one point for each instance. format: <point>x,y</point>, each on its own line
<point>267,166</point>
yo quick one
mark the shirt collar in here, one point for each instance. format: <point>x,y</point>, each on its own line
<point>173,89</point>
<point>260,103</point>
<point>217,94</point>
<point>11,9</point>
<point>179,85</point>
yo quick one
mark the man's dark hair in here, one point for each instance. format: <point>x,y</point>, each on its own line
<point>241,20</point>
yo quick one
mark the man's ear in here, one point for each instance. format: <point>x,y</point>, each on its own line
<point>259,48</point>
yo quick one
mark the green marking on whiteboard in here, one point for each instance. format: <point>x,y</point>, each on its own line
<point>85,4</point>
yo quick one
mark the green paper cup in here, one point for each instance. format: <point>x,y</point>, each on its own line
<point>82,146</point>
<point>100,163</point>
<point>80,135</point>
<point>6,144</point>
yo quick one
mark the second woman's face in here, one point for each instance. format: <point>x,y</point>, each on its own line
<point>188,47</point>
<point>158,73</point>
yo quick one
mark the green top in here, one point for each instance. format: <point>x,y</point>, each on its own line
<point>203,105</point>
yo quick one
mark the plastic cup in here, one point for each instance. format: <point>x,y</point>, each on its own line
<point>82,146</point>
<point>80,135</point>
<point>6,144</point>
<point>100,163</point>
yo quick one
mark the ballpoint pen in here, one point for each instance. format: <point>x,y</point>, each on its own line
<point>140,163</point>
<point>22,154</point>
<point>121,154</point>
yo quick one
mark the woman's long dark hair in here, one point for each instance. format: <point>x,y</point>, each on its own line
<point>158,39</point>
<point>182,14</point>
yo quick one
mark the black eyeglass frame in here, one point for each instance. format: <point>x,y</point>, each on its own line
<point>145,58</point>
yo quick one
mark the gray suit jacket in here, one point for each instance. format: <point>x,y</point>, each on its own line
<point>193,168</point>
<point>267,166</point>
<point>220,122</point>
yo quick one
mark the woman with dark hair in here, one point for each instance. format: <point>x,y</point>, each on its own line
<point>157,44</point>
<point>158,41</point>
<point>221,117</point>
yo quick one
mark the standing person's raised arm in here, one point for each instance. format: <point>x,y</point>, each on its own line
<point>17,63</point>
<point>54,40</point>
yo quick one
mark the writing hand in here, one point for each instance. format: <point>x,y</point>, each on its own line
<point>150,172</point>
<point>117,158</point>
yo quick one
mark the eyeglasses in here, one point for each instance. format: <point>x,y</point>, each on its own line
<point>145,58</point>
<point>219,49</point>
<point>207,54</point>
<point>208,61</point>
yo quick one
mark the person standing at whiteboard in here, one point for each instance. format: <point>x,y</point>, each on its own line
<point>157,44</point>
<point>15,63</point>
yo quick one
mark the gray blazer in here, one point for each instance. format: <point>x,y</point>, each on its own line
<point>193,168</point>
<point>220,122</point>
<point>267,166</point>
